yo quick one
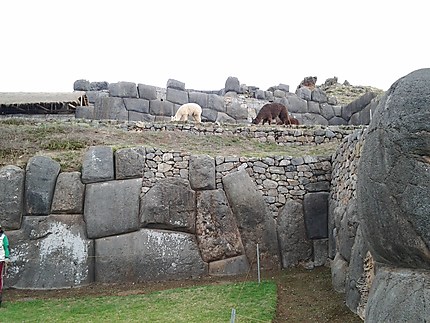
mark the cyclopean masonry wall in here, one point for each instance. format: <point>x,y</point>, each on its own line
<point>235,103</point>
<point>141,213</point>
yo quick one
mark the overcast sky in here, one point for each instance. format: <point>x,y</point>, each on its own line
<point>46,45</point>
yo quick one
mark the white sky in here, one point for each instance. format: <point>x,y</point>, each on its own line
<point>46,45</point>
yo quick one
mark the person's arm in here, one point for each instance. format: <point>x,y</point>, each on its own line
<point>6,246</point>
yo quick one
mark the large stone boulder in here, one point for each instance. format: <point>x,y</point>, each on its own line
<point>294,244</point>
<point>148,255</point>
<point>112,207</point>
<point>254,219</point>
<point>69,194</point>
<point>11,196</point>
<point>393,198</point>
<point>393,187</point>
<point>130,162</point>
<point>202,172</point>
<point>123,89</point>
<point>315,206</point>
<point>98,165</point>
<point>110,108</point>
<point>40,178</point>
<point>50,252</point>
<point>169,204</point>
<point>217,233</point>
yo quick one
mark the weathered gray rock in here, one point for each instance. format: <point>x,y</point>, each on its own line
<point>256,225</point>
<point>97,164</point>
<point>137,116</point>
<point>296,104</point>
<point>294,244</point>
<point>209,114</point>
<point>199,98</point>
<point>147,92</point>
<point>169,204</point>
<point>337,121</point>
<point>84,112</point>
<point>123,90</point>
<point>320,248</point>
<point>81,85</point>
<point>284,87</point>
<point>318,95</point>
<point>313,107</point>
<point>347,230</point>
<point>11,196</point>
<point>110,108</point>
<point>339,271</point>
<point>112,207</point>
<point>69,194</point>
<point>227,267</point>
<point>327,111</point>
<point>202,172</point>
<point>304,93</point>
<point>355,272</point>
<point>129,162</point>
<point>393,187</point>
<point>174,84</point>
<point>318,186</point>
<point>152,255</point>
<point>176,96</point>
<point>217,234</point>
<point>216,103</point>
<point>40,178</point>
<point>236,111</point>
<point>161,108</point>
<point>137,105</point>
<point>315,206</point>
<point>93,96</point>
<point>99,86</point>
<point>357,105</point>
<point>224,118</point>
<point>399,295</point>
<point>50,252</point>
<point>232,84</point>
<point>313,118</point>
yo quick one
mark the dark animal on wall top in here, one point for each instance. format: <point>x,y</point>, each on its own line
<point>270,111</point>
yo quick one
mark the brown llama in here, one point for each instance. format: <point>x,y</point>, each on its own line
<point>270,111</point>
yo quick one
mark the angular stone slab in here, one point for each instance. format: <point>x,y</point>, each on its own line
<point>137,105</point>
<point>149,255</point>
<point>110,108</point>
<point>293,242</point>
<point>123,89</point>
<point>97,165</point>
<point>202,172</point>
<point>216,103</point>
<point>174,84</point>
<point>161,108</point>
<point>217,234</point>
<point>232,84</point>
<point>399,295</point>
<point>129,162</point>
<point>169,204</point>
<point>69,194</point>
<point>11,196</point>
<point>112,207</point>
<point>199,98</point>
<point>176,96</point>
<point>40,178</point>
<point>315,206</point>
<point>50,252</point>
<point>147,92</point>
<point>229,267</point>
<point>255,222</point>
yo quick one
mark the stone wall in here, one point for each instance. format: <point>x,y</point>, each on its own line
<point>235,103</point>
<point>146,214</point>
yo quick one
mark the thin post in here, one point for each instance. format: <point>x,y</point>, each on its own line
<point>258,264</point>
<point>233,315</point>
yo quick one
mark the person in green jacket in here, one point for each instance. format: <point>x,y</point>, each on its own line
<point>4,258</point>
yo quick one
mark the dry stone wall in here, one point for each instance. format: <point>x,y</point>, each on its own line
<point>235,103</point>
<point>184,209</point>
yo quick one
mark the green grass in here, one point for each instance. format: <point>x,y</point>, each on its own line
<point>253,302</point>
